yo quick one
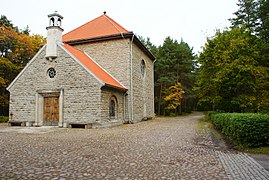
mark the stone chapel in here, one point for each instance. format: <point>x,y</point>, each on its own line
<point>97,75</point>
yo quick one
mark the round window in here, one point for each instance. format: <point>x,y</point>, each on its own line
<point>51,72</point>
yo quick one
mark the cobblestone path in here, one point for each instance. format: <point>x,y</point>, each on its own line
<point>164,148</point>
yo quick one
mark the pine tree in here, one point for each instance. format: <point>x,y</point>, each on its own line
<point>175,63</point>
<point>263,15</point>
<point>247,15</point>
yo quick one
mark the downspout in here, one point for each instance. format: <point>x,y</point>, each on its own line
<point>124,106</point>
<point>153,88</point>
<point>131,119</point>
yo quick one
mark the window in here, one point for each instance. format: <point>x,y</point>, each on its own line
<point>51,72</point>
<point>59,22</point>
<point>52,21</point>
<point>142,66</point>
<point>112,107</point>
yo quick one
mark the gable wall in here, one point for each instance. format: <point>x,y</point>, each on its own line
<point>81,96</point>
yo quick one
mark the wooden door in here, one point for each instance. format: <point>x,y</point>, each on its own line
<point>51,110</point>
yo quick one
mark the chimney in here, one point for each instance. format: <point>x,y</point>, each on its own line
<point>54,34</point>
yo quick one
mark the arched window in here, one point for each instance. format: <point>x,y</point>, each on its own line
<point>142,67</point>
<point>59,22</point>
<point>112,109</point>
<point>52,21</point>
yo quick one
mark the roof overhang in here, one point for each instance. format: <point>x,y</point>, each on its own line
<point>130,35</point>
<point>108,86</point>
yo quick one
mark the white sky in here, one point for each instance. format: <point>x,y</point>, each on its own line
<point>192,20</point>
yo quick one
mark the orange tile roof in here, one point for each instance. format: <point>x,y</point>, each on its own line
<point>99,27</point>
<point>99,72</point>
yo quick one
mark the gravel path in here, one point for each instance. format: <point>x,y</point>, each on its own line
<point>164,148</point>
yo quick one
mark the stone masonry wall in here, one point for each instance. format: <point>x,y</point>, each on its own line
<point>106,97</point>
<point>114,57</point>
<point>143,87</point>
<point>81,97</point>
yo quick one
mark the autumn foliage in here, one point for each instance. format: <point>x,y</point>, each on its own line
<point>17,48</point>
<point>234,67</point>
<point>174,95</point>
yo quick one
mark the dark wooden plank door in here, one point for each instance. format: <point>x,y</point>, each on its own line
<point>51,110</point>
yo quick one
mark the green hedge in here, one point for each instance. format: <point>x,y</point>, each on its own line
<point>247,129</point>
<point>209,114</point>
<point>3,119</point>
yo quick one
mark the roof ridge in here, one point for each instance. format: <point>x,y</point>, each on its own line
<point>83,25</point>
<point>112,21</point>
<point>98,27</point>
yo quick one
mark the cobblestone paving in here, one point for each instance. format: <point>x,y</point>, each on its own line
<point>242,166</point>
<point>165,148</point>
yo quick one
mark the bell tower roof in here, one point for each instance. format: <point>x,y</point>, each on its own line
<point>55,19</point>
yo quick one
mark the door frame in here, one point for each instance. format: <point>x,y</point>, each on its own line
<point>40,94</point>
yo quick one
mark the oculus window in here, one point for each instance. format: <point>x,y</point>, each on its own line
<point>51,72</point>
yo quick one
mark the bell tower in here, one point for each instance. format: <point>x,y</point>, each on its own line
<point>54,34</point>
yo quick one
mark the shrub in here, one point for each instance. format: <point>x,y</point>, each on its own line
<point>208,115</point>
<point>247,129</point>
<point>3,119</point>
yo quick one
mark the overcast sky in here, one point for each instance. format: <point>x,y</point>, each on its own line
<point>191,20</point>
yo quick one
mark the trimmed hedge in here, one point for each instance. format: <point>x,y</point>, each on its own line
<point>247,129</point>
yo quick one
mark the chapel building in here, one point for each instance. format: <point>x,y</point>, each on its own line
<point>97,75</point>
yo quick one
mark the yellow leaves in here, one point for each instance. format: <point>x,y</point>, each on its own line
<point>173,97</point>
<point>18,47</point>
<point>2,82</point>
<point>37,41</point>
<point>252,98</point>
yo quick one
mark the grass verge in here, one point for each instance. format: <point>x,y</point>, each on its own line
<point>254,150</point>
